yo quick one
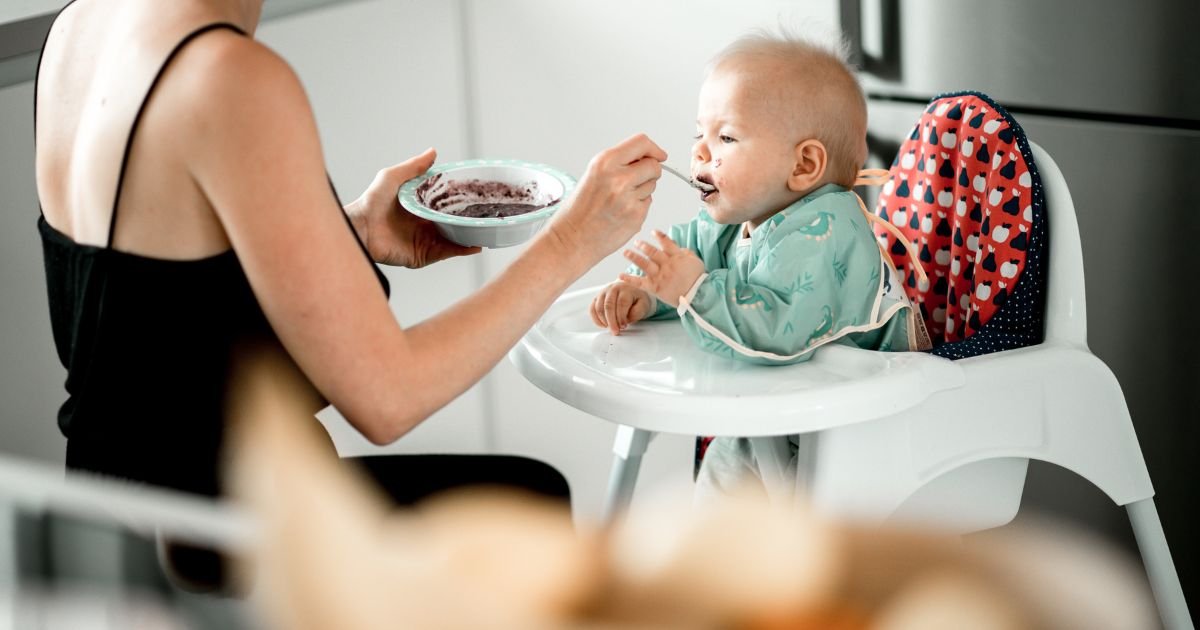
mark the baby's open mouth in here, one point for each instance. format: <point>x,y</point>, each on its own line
<point>709,190</point>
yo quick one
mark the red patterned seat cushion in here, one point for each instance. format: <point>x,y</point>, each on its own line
<point>960,190</point>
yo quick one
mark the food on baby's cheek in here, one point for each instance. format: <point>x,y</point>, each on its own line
<point>477,198</point>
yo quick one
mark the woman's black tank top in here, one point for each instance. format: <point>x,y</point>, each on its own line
<point>147,345</point>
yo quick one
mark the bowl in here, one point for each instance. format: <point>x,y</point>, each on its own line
<point>491,186</point>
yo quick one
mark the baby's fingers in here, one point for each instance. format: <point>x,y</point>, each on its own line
<point>639,282</point>
<point>624,305</point>
<point>611,318</point>
<point>597,311</point>
<point>643,262</point>
<point>665,243</point>
<point>650,251</point>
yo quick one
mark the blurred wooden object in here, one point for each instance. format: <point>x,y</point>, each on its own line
<point>335,556</point>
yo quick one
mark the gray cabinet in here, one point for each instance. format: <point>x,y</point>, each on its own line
<point>1100,56</point>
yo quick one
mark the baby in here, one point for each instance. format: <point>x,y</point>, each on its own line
<point>781,259</point>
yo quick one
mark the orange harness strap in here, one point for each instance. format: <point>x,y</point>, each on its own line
<point>878,177</point>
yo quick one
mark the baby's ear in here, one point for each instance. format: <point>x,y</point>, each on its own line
<point>809,168</point>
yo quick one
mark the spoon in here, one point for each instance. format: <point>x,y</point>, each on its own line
<point>694,183</point>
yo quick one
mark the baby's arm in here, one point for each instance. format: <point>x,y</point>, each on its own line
<point>622,303</point>
<point>783,308</point>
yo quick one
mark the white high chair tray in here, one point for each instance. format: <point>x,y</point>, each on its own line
<point>650,376</point>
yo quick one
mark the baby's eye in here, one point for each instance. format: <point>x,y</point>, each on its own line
<point>697,137</point>
<point>727,139</point>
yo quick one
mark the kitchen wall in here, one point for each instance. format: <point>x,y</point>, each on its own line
<point>31,378</point>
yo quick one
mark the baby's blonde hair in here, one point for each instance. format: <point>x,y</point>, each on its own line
<point>837,112</point>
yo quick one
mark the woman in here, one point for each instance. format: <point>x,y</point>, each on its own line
<point>186,212</point>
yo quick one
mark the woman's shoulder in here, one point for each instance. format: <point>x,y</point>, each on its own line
<point>235,94</point>
<point>241,109</point>
<point>226,66</point>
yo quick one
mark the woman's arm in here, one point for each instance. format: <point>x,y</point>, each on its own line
<point>258,159</point>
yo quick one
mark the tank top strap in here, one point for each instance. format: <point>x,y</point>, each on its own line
<point>112,222</point>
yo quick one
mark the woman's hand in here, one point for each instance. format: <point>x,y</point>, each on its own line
<point>670,271</point>
<point>391,234</point>
<point>611,201</point>
<point>620,304</point>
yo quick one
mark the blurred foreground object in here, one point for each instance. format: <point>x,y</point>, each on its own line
<point>82,609</point>
<point>335,556</point>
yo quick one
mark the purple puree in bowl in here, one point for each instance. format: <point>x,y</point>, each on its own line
<point>493,199</point>
<point>496,210</point>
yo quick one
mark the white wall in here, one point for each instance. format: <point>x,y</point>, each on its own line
<point>31,378</point>
<point>545,80</point>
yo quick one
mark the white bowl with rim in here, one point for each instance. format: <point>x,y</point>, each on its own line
<point>540,183</point>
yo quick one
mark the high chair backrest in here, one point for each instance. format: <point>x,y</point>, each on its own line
<point>965,190</point>
<point>1066,307</point>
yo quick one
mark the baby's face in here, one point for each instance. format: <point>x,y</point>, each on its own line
<point>744,146</point>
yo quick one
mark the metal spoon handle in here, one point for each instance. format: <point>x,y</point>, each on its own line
<point>690,182</point>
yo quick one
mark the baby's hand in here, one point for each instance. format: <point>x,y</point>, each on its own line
<point>670,271</point>
<point>619,305</point>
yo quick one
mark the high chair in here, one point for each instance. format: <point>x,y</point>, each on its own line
<point>884,436</point>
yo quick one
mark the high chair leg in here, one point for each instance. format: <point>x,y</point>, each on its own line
<point>9,548</point>
<point>628,448</point>
<point>1164,581</point>
<point>772,455</point>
